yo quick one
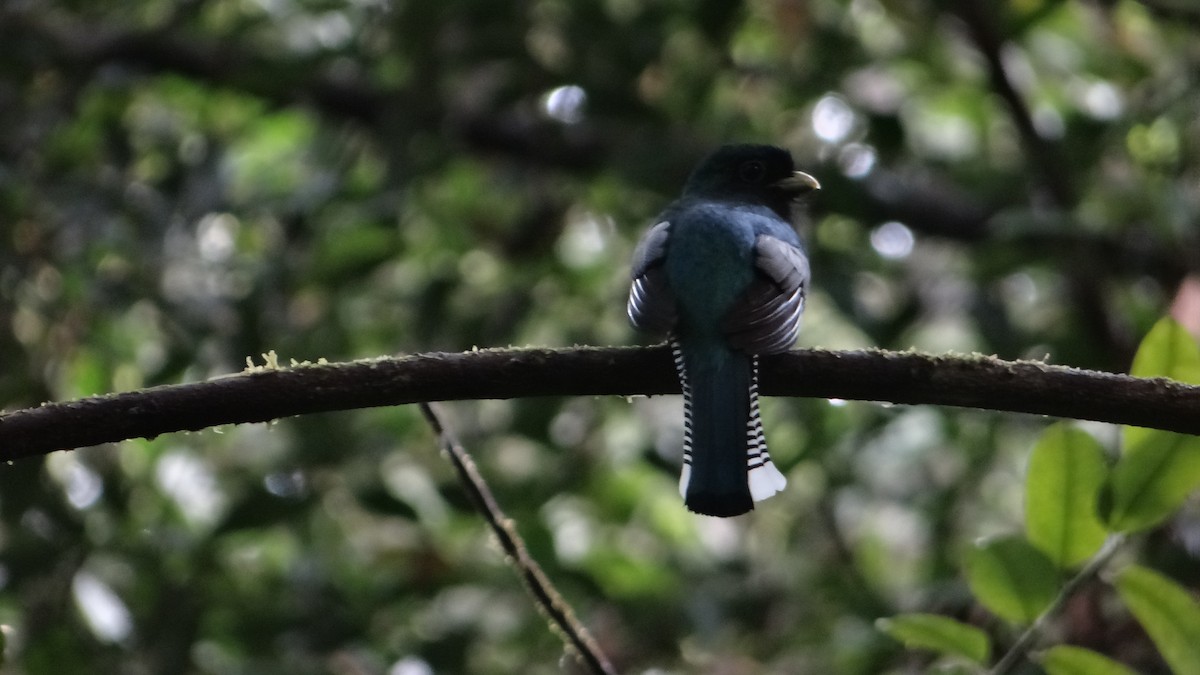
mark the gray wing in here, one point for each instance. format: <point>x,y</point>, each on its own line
<point>766,319</point>
<point>651,303</point>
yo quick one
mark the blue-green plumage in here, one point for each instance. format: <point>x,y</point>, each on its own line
<point>723,273</point>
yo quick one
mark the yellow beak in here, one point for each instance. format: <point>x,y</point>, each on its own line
<point>799,183</point>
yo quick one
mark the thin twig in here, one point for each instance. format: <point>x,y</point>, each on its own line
<point>547,598</point>
<point>1017,652</point>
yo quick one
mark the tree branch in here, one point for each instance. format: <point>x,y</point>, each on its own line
<point>1013,657</point>
<point>1175,11</point>
<point>264,394</point>
<point>932,207</point>
<point>574,634</point>
<point>340,93</point>
<point>1046,156</point>
<point>86,46</point>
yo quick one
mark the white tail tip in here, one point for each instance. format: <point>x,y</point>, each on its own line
<point>765,481</point>
<point>684,476</point>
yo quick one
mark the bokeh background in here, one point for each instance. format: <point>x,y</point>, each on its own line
<point>188,183</point>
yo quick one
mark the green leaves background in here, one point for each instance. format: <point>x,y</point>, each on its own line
<point>188,183</point>
<point>1157,470</point>
<point>1074,503</point>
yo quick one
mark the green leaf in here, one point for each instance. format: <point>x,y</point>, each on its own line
<point>1065,474</point>
<point>1158,469</point>
<point>1012,578</point>
<point>1168,613</point>
<point>939,634</point>
<point>1167,351</point>
<point>1153,479</point>
<point>1067,660</point>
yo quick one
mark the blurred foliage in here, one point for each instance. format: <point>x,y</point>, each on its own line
<point>186,183</point>
<point>1078,511</point>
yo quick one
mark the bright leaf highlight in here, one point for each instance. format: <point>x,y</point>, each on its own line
<point>938,633</point>
<point>1066,472</point>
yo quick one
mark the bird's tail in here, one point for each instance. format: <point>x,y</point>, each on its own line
<point>726,467</point>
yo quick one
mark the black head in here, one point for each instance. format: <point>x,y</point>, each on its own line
<point>755,174</point>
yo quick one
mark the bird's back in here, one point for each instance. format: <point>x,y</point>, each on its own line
<point>710,260</point>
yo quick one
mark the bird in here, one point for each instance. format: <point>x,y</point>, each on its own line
<point>724,275</point>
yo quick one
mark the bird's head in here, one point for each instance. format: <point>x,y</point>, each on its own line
<point>755,174</point>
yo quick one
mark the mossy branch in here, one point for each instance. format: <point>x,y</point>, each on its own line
<point>264,394</point>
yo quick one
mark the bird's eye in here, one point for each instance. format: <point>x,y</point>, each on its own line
<point>752,171</point>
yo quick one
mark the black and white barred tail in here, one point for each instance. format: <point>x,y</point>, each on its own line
<point>741,481</point>
<point>762,476</point>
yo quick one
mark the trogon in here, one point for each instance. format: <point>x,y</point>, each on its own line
<point>723,274</point>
